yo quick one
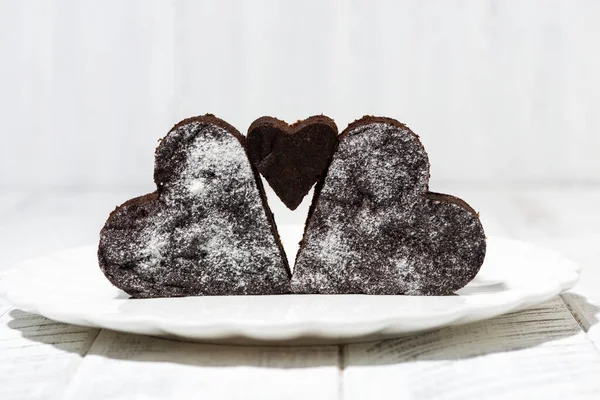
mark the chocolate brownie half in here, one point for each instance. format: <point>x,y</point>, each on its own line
<point>374,227</point>
<point>207,230</point>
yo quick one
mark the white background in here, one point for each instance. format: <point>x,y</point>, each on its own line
<point>499,91</point>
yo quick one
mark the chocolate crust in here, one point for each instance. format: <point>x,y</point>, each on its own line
<point>369,119</point>
<point>211,119</point>
<point>136,201</point>
<point>446,198</point>
<point>296,126</point>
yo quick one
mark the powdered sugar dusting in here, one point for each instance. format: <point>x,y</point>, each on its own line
<point>373,229</point>
<point>207,233</point>
<point>381,162</point>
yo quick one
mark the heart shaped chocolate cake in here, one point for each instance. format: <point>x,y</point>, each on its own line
<point>292,158</point>
<point>207,230</point>
<point>374,227</point>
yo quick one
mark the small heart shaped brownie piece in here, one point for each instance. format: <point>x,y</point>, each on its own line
<point>207,230</point>
<point>292,157</point>
<point>374,228</point>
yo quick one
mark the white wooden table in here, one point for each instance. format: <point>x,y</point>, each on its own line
<point>552,350</point>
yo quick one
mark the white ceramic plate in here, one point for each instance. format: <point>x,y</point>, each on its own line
<point>69,287</point>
